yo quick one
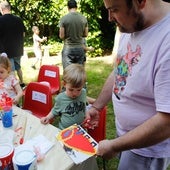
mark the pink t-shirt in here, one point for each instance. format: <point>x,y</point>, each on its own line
<point>142,81</point>
<point>7,87</point>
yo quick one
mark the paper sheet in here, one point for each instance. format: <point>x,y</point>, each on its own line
<point>39,141</point>
<point>77,143</point>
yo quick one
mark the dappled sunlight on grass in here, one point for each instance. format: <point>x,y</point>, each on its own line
<point>29,74</point>
<point>97,72</point>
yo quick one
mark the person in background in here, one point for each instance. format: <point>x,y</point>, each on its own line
<point>73,27</point>
<point>139,86</point>
<point>12,32</point>
<point>70,105</point>
<point>37,45</point>
<point>9,85</point>
<point>86,48</point>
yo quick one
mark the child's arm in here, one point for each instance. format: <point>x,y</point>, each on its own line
<point>19,93</point>
<point>87,48</point>
<point>44,38</point>
<point>46,119</point>
<point>90,100</point>
<point>41,39</point>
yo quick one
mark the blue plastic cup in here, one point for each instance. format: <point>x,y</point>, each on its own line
<point>7,117</point>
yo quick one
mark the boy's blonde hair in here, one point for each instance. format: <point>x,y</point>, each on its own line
<point>5,62</point>
<point>75,75</point>
<point>34,28</point>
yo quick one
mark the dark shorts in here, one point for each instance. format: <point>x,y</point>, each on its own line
<point>15,63</point>
<point>72,55</point>
<point>132,161</point>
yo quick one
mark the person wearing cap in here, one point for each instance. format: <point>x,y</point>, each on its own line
<point>12,32</point>
<point>73,27</point>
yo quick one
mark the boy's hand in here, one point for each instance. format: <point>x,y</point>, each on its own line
<point>44,120</point>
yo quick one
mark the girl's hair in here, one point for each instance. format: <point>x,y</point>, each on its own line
<point>5,62</point>
<point>75,75</point>
<point>35,28</point>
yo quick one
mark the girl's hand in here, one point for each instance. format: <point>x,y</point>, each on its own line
<point>15,100</point>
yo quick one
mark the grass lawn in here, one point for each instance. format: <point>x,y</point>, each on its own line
<point>98,70</point>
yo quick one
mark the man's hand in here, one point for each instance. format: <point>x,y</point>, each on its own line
<point>106,150</point>
<point>92,118</point>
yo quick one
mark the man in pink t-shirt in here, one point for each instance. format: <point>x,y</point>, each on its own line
<point>139,86</point>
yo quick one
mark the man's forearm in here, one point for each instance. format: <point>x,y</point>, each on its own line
<point>151,132</point>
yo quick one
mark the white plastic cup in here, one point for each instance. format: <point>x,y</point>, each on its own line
<point>25,160</point>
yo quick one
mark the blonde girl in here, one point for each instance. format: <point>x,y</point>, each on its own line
<point>9,84</point>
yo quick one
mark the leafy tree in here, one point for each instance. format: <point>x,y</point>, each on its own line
<point>47,13</point>
<point>102,32</point>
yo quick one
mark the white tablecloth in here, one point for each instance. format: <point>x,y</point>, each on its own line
<point>56,158</point>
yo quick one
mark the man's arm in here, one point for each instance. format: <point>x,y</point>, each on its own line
<point>151,132</point>
<point>86,32</point>
<point>62,33</point>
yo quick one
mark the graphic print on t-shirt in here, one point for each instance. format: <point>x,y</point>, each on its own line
<point>124,66</point>
<point>74,108</point>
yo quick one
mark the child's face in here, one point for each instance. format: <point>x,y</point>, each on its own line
<point>37,31</point>
<point>72,92</point>
<point>3,73</point>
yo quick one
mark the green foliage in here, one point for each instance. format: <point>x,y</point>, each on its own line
<point>101,31</point>
<point>55,48</point>
<point>47,13</point>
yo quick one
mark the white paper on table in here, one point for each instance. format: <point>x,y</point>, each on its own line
<point>39,141</point>
<point>7,136</point>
